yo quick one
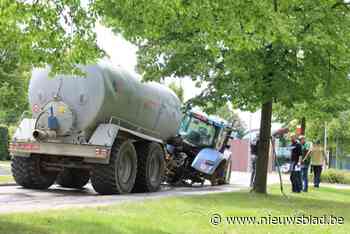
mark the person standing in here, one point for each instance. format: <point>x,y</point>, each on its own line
<point>295,175</point>
<point>318,158</point>
<point>305,162</point>
<point>254,148</point>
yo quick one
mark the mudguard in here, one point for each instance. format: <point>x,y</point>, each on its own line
<point>207,160</point>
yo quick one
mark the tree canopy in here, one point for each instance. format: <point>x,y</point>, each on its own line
<point>37,33</point>
<point>178,90</point>
<point>251,53</point>
<point>247,51</point>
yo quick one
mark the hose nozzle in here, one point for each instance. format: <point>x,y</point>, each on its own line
<point>44,134</point>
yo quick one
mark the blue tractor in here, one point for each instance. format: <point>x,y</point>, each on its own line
<point>200,151</point>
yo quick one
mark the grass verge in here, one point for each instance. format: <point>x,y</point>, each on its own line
<point>4,179</point>
<point>190,215</point>
<point>5,163</point>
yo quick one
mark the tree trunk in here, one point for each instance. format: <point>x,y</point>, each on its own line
<point>303,126</point>
<point>264,148</point>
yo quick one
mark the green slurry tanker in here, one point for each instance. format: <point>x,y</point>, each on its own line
<point>107,127</point>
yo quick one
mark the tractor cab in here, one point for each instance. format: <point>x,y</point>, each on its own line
<point>199,152</point>
<point>200,131</point>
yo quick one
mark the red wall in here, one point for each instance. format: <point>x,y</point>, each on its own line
<point>241,156</point>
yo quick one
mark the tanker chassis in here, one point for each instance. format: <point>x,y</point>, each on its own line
<point>109,128</point>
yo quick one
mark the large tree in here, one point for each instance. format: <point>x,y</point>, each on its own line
<point>251,53</point>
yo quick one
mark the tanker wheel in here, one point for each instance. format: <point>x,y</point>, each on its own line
<point>150,167</point>
<point>28,173</point>
<point>119,175</point>
<point>73,178</point>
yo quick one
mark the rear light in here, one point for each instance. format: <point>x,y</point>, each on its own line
<point>102,152</point>
<point>24,147</point>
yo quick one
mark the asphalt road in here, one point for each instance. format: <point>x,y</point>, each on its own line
<point>17,199</point>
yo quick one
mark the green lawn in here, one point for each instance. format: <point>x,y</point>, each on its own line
<point>188,215</point>
<point>5,179</point>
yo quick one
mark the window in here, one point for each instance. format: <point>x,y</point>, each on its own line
<point>197,132</point>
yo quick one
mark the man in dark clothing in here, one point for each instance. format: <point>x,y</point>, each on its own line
<point>254,146</point>
<point>305,162</point>
<point>295,176</point>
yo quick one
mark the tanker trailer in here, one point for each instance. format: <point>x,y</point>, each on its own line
<point>107,127</point>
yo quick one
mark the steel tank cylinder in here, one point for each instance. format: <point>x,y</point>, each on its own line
<point>108,93</point>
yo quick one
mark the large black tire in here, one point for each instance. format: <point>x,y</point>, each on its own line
<point>73,178</point>
<point>118,177</point>
<point>28,174</point>
<point>150,167</point>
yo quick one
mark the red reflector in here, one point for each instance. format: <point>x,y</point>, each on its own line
<point>102,152</point>
<point>24,146</point>
<point>35,147</point>
<point>27,146</point>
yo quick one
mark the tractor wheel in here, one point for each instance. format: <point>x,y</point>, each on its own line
<point>119,175</point>
<point>150,167</point>
<point>222,174</point>
<point>225,179</point>
<point>28,173</point>
<point>73,178</point>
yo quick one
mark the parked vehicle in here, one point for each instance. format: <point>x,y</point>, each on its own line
<point>109,128</point>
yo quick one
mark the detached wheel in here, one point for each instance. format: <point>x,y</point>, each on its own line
<point>222,174</point>
<point>28,173</point>
<point>73,178</point>
<point>150,166</point>
<point>225,179</point>
<point>119,175</point>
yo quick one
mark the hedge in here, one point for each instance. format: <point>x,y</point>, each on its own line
<point>4,137</point>
<point>334,176</point>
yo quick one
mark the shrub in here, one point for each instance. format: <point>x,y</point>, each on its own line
<point>4,137</point>
<point>11,130</point>
<point>334,176</point>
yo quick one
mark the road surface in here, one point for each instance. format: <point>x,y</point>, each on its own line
<point>17,199</point>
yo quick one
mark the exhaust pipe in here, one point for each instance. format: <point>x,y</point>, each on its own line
<point>44,134</point>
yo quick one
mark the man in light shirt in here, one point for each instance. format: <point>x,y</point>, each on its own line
<point>318,158</point>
